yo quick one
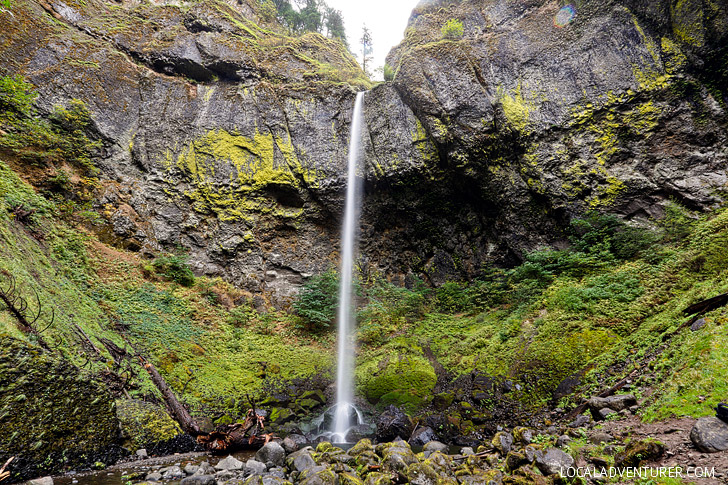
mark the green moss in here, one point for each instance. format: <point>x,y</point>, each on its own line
<point>260,162</point>
<point>516,109</point>
<point>687,22</point>
<point>403,378</point>
<point>52,415</point>
<point>674,59</point>
<point>143,424</point>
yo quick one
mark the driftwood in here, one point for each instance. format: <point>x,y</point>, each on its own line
<point>5,474</point>
<point>225,439</point>
<point>707,305</point>
<point>176,409</point>
<point>237,436</point>
<point>17,305</point>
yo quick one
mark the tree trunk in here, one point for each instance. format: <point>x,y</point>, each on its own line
<point>178,411</point>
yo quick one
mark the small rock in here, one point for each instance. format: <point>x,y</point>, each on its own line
<point>294,442</point>
<point>562,441</point>
<point>173,472</point>
<point>523,435</point>
<point>224,475</point>
<point>433,446</point>
<point>502,442</point>
<point>229,463</point>
<point>514,460</point>
<point>697,324</point>
<point>638,452</point>
<point>153,477</point>
<point>254,467</point>
<point>422,436</point>
<point>141,453</point>
<point>710,435</point>
<point>616,403</point>
<point>600,437</point>
<point>467,451</point>
<point>199,480</point>
<point>580,421</point>
<point>272,452</point>
<point>191,469</point>
<point>553,461</point>
<point>41,481</point>
<point>605,412</point>
<point>301,460</point>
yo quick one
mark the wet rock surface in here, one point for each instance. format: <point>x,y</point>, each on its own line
<point>243,166</point>
<point>710,435</point>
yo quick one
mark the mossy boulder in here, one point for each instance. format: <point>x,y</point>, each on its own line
<point>143,424</point>
<point>405,380</point>
<point>280,416</point>
<point>638,452</point>
<point>52,417</point>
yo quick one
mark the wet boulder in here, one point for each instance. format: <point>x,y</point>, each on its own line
<point>710,435</point>
<point>393,423</point>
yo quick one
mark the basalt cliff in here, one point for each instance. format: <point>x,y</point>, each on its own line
<point>228,139</point>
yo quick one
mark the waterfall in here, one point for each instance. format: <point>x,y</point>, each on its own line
<point>345,413</point>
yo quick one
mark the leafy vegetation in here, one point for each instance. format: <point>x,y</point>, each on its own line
<point>317,302</point>
<point>174,268</point>
<point>308,16</point>
<point>62,137</point>
<point>453,29</point>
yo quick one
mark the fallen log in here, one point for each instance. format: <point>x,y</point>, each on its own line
<point>176,409</point>
<point>3,473</point>
<point>707,305</point>
<point>238,436</point>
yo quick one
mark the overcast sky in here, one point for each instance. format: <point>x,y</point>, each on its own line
<point>386,19</point>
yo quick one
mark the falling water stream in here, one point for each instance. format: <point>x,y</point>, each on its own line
<point>345,414</point>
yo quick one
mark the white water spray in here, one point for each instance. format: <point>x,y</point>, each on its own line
<point>345,412</point>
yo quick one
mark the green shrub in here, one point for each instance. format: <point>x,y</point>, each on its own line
<point>606,232</point>
<point>452,297</point>
<point>677,223</point>
<point>318,300</point>
<point>453,29</point>
<point>174,268</point>
<point>388,73</point>
<point>242,315</point>
<point>61,137</point>
<point>16,95</point>
<point>390,308</point>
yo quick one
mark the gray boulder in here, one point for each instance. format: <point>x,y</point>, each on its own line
<point>553,461</point>
<point>254,467</point>
<point>616,402</point>
<point>422,436</point>
<point>710,435</point>
<point>433,446</point>
<point>273,452</point>
<point>229,463</point>
<point>199,480</point>
<point>293,442</point>
<point>301,460</point>
<point>580,421</point>
<point>173,472</point>
<point>153,477</point>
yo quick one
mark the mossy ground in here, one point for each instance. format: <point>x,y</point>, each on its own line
<point>602,319</point>
<point>111,295</point>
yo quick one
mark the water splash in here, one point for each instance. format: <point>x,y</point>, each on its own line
<point>565,16</point>
<point>345,368</point>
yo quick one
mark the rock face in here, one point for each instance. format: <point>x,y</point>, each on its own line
<point>229,139</point>
<point>710,435</point>
<point>54,416</point>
